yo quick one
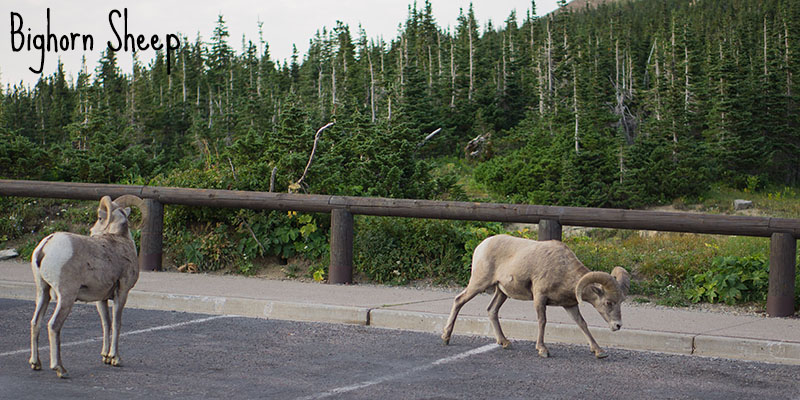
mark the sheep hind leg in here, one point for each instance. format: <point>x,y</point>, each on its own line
<point>63,308</point>
<point>494,307</point>
<point>105,321</point>
<point>575,313</point>
<point>116,323</point>
<point>462,298</point>
<point>42,301</point>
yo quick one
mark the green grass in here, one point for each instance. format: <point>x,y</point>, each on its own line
<point>463,169</point>
<point>781,202</point>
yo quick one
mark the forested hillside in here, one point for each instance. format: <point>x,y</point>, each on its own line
<point>623,105</point>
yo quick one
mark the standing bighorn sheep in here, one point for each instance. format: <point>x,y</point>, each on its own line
<point>92,268</point>
<point>546,272</point>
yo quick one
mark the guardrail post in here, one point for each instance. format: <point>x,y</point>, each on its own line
<point>341,267</point>
<point>782,254</point>
<point>549,229</point>
<point>152,237</point>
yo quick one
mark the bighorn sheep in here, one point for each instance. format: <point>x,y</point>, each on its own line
<point>546,272</point>
<point>92,268</point>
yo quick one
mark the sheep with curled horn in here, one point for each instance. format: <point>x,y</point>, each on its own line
<point>548,273</point>
<point>96,268</point>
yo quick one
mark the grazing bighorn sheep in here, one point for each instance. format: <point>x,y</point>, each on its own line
<point>546,272</point>
<point>92,268</point>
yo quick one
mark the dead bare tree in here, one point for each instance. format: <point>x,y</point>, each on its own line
<point>299,184</point>
<point>272,179</point>
<point>480,146</point>
<point>429,137</point>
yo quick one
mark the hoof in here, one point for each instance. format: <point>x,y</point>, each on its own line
<point>544,353</point>
<point>505,343</point>
<point>36,366</point>
<point>116,361</point>
<point>61,372</point>
<point>600,354</point>
<point>445,341</point>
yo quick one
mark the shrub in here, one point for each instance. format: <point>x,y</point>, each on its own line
<point>400,250</point>
<point>731,280</point>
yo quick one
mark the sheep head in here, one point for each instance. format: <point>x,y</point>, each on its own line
<point>605,292</point>
<point>112,216</point>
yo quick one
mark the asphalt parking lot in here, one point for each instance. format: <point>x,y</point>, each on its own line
<point>182,355</point>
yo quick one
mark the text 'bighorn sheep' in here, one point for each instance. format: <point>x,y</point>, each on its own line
<point>546,272</point>
<point>95,268</point>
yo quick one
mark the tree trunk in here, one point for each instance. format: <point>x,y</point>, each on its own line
<point>452,75</point>
<point>430,68</point>
<point>549,50</point>
<point>540,83</point>
<point>333,85</point>
<point>575,103</point>
<point>371,87</point>
<point>400,65</point>
<point>439,50</point>
<point>786,61</point>
<point>471,54</point>
<point>505,73</point>
<point>765,48</point>
<point>686,92</point>
<point>183,80</point>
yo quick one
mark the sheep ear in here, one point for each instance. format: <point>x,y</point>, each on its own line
<point>623,279</point>
<point>597,290</point>
<point>126,211</point>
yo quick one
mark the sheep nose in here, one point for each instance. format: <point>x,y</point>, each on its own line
<point>615,326</point>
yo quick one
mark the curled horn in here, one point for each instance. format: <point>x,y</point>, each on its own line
<point>105,202</point>
<point>127,200</point>
<point>603,278</point>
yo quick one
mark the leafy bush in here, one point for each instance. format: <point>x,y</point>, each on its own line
<point>236,238</point>
<point>731,280</point>
<point>400,250</point>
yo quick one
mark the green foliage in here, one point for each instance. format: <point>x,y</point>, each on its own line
<point>236,239</point>
<point>19,156</point>
<point>401,250</point>
<point>731,280</point>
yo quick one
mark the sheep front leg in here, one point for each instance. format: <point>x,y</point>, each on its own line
<point>116,322</point>
<point>540,303</point>
<point>494,308</point>
<point>63,308</point>
<point>42,301</point>
<point>575,313</point>
<point>105,321</point>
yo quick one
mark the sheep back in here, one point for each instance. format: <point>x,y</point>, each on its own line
<point>526,268</point>
<point>89,267</point>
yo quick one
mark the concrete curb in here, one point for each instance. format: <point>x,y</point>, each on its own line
<point>527,330</point>
<point>665,342</point>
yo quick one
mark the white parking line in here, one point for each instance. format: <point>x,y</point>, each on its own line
<point>385,378</point>
<point>98,339</point>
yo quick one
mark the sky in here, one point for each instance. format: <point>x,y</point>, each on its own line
<point>285,23</point>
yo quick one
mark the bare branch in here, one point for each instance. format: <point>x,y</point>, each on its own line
<point>297,185</point>
<point>429,137</point>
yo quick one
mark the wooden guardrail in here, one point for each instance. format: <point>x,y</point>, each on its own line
<point>783,232</point>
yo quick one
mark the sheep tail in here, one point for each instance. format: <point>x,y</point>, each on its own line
<point>38,253</point>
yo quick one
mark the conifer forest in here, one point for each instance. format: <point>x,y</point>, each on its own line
<point>627,104</point>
